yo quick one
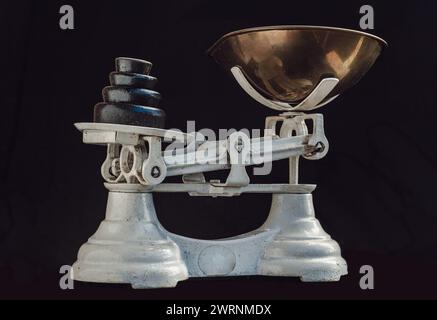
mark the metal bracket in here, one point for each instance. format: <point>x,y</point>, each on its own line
<point>314,100</point>
<point>154,169</point>
<point>135,155</point>
<point>134,163</point>
<point>198,177</point>
<point>239,154</point>
<point>293,124</point>
<point>110,168</point>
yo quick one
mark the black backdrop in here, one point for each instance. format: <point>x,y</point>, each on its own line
<point>376,187</point>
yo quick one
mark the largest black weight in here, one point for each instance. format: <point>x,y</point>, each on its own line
<point>131,99</point>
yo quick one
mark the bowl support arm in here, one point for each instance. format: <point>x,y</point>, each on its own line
<point>316,99</point>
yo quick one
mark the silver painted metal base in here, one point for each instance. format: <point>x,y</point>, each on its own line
<point>300,248</point>
<point>131,246</point>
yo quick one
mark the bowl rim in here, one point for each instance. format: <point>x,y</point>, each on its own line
<point>211,50</point>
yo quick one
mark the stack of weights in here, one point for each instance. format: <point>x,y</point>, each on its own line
<point>130,99</point>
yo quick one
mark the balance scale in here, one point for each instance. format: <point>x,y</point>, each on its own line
<point>290,69</point>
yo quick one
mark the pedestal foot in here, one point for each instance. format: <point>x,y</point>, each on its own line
<point>130,247</point>
<point>301,248</point>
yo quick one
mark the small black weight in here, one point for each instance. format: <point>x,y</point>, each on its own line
<point>131,95</point>
<point>130,99</point>
<point>131,65</point>
<point>130,114</point>
<point>134,80</point>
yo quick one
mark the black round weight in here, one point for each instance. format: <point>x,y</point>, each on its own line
<point>133,80</point>
<point>130,114</point>
<point>131,95</point>
<point>132,65</point>
<point>130,99</point>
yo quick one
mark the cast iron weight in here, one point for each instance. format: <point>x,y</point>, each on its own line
<point>130,99</point>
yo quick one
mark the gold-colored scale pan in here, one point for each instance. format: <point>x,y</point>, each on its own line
<point>286,63</point>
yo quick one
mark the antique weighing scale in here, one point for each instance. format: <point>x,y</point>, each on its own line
<point>290,69</point>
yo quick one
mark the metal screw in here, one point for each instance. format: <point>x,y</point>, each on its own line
<point>320,146</point>
<point>156,172</point>
<point>239,145</point>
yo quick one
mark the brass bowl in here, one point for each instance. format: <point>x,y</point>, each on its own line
<point>285,63</point>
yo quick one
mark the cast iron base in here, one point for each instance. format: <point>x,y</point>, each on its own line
<point>131,246</point>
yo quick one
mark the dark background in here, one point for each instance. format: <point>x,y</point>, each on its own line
<point>376,188</point>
